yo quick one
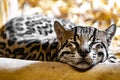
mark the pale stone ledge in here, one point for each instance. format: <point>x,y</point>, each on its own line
<point>12,69</point>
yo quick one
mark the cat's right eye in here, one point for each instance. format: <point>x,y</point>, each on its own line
<point>75,43</point>
<point>91,37</point>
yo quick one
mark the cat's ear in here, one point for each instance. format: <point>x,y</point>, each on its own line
<point>110,31</point>
<point>61,33</point>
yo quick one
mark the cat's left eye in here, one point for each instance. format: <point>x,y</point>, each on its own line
<point>100,53</point>
<point>99,46</point>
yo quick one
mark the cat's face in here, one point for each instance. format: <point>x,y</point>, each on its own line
<point>83,47</point>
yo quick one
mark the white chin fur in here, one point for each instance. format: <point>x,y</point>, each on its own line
<point>82,65</point>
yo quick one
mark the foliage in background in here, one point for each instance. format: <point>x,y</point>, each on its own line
<point>84,12</point>
<point>99,13</point>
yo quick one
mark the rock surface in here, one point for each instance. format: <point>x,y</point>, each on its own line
<point>32,70</point>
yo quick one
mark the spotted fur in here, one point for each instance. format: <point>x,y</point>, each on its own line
<point>37,37</point>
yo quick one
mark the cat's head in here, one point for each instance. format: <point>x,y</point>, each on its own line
<point>83,47</point>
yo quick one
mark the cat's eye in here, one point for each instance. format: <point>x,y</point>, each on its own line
<point>75,43</point>
<point>100,53</point>
<point>91,38</point>
<point>69,45</point>
<point>99,46</point>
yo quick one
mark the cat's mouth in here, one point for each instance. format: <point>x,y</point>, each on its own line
<point>79,63</point>
<point>82,64</point>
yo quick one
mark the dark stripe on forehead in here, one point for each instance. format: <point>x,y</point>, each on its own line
<point>85,30</point>
<point>94,35</point>
<point>75,32</point>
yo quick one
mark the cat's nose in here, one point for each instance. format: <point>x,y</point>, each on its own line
<point>83,53</point>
